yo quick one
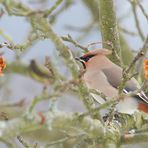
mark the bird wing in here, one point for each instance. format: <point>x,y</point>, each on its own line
<point>114,76</point>
<point>99,81</point>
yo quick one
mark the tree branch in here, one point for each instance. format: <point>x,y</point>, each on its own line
<point>109,27</point>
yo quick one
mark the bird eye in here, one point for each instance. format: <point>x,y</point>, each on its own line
<point>87,58</point>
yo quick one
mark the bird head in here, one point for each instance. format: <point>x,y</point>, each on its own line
<point>91,56</point>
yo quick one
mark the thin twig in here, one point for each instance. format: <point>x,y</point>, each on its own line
<point>44,96</point>
<point>28,43</point>
<point>141,53</point>
<point>68,137</point>
<point>81,29</point>
<point>131,138</point>
<point>71,40</point>
<point>48,12</point>
<point>142,9</point>
<point>57,142</point>
<point>58,12</point>
<point>97,109</point>
<point>142,130</point>
<point>99,94</point>
<point>133,4</point>
<point>124,30</point>
<point>23,142</point>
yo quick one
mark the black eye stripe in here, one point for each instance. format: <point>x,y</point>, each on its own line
<point>86,58</point>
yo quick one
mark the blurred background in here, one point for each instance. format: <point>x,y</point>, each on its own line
<point>72,17</point>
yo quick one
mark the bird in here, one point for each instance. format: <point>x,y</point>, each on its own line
<point>105,76</point>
